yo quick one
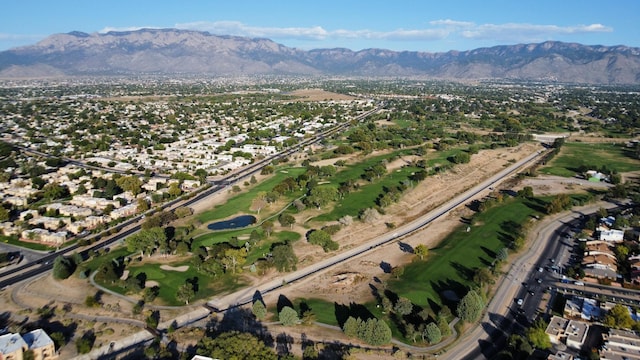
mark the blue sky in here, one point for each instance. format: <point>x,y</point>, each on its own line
<point>416,25</point>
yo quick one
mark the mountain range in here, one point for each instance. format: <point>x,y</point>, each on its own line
<point>176,52</point>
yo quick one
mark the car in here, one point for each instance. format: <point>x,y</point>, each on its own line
<point>540,269</point>
<point>531,292</point>
<point>579,283</point>
<point>519,301</point>
<point>539,280</point>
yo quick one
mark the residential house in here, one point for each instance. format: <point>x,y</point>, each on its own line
<point>40,344</point>
<point>576,333</point>
<point>44,236</point>
<point>599,260</point>
<point>611,235</point>
<point>619,345</point>
<point>124,211</point>
<point>12,346</point>
<point>573,333</point>
<point>188,185</point>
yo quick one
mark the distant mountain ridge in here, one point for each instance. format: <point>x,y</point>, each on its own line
<point>175,52</point>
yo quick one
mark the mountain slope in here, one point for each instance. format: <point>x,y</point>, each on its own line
<point>170,51</point>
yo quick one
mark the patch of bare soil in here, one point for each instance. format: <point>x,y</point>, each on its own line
<point>320,95</point>
<point>553,185</point>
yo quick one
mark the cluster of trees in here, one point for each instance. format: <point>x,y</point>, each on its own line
<point>619,317</point>
<point>235,345</point>
<point>322,238</point>
<point>63,266</point>
<point>470,307</point>
<point>372,331</point>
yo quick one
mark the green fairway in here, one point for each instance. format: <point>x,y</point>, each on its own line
<point>241,203</point>
<point>169,282</point>
<point>592,156</point>
<point>366,195</point>
<point>451,264</point>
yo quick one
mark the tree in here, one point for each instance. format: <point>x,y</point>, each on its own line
<point>460,157</point>
<point>267,227</point>
<point>146,240</point>
<point>4,214</point>
<point>470,307</point>
<point>379,332</point>
<point>235,345</point>
<point>421,250</point>
<point>369,215</point>
<point>397,271</point>
<point>502,254</point>
<point>259,310</point>
<point>320,196</point>
<point>288,316</point>
<point>432,333</point>
<point>54,191</point>
<point>483,276</point>
<point>618,317</point>
<point>174,190</point>
<point>85,343</point>
<point>350,327</point>
<point>234,258</point>
<point>537,336</point>
<point>142,205</point>
<point>403,306</point>
<point>183,211</point>
<point>130,183</point>
<point>322,238</point>
<point>259,201</point>
<point>284,259</point>
<point>186,292</point>
<point>286,220</point>
<point>526,192</point>
<point>63,267</point>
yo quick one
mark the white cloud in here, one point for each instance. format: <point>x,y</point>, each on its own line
<point>524,32</point>
<point>126,28</point>
<point>238,28</point>
<point>437,30</point>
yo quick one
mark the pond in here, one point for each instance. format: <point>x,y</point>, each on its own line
<point>235,223</point>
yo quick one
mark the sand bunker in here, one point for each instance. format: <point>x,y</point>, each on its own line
<point>182,268</point>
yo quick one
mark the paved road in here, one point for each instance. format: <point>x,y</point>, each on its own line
<point>480,340</point>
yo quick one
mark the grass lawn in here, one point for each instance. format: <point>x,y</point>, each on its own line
<point>13,240</point>
<point>170,281</point>
<point>241,203</point>
<point>451,264</point>
<point>366,195</point>
<point>593,156</point>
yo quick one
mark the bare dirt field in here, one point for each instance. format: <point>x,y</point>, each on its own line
<point>319,95</point>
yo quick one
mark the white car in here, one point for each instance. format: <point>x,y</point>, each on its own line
<point>519,302</point>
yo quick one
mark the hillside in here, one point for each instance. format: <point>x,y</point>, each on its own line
<point>175,52</point>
